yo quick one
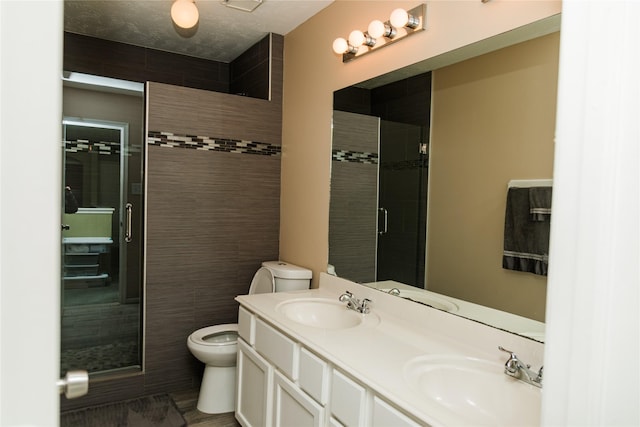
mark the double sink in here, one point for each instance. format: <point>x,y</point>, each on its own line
<point>476,390</point>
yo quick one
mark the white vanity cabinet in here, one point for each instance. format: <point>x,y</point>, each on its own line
<point>281,383</point>
<point>254,387</point>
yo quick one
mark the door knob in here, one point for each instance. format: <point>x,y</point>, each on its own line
<point>65,226</point>
<point>74,384</point>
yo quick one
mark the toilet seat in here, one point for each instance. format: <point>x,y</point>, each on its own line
<point>263,282</point>
<point>217,336</point>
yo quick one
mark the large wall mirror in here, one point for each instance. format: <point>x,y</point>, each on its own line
<point>422,160</point>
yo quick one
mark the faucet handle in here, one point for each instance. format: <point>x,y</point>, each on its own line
<point>364,307</point>
<point>346,296</point>
<point>513,363</point>
<point>501,348</point>
<point>512,355</point>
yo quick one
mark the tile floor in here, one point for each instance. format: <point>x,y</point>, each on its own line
<point>186,402</point>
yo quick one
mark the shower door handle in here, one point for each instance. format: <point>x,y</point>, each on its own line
<point>385,224</point>
<point>74,384</point>
<point>128,231</point>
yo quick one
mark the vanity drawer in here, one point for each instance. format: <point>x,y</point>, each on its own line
<point>314,376</point>
<point>348,400</point>
<point>277,348</point>
<point>246,325</point>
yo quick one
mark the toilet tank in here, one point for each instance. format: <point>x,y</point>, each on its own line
<point>288,277</point>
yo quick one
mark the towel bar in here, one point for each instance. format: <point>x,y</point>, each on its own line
<point>525,183</point>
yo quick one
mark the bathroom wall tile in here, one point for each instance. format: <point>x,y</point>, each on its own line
<point>353,220</point>
<point>123,61</point>
<point>213,217</point>
<point>250,71</point>
<point>187,111</point>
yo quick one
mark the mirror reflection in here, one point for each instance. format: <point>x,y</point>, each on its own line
<point>419,176</point>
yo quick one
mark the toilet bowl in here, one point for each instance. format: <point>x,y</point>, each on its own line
<point>216,346</point>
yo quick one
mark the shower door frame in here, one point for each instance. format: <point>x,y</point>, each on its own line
<point>124,175</point>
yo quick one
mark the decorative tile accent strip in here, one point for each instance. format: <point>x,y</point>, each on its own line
<point>205,143</point>
<point>354,157</point>
<point>86,146</point>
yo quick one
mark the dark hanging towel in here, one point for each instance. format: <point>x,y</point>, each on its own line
<point>526,230</point>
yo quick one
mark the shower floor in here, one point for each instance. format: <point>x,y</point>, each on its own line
<point>100,358</point>
<point>89,295</point>
<point>100,337</point>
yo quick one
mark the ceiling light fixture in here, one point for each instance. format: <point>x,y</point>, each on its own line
<point>185,13</point>
<point>401,23</point>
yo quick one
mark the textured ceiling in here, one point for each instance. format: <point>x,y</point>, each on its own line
<point>221,35</point>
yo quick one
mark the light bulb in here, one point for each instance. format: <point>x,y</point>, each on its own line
<point>399,18</point>
<point>376,29</point>
<point>340,46</point>
<point>356,38</point>
<point>184,13</point>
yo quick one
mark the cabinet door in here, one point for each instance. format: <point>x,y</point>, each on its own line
<point>348,400</point>
<point>292,407</point>
<point>253,394</point>
<point>313,376</point>
<point>385,415</point>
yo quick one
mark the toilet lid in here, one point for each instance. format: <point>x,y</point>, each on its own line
<point>263,282</point>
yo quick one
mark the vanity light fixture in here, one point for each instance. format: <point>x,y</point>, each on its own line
<point>185,13</point>
<point>401,23</point>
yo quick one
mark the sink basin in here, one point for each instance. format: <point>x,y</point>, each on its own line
<point>427,298</point>
<point>321,313</point>
<point>475,390</point>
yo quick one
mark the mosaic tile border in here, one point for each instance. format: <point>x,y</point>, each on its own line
<point>205,143</point>
<point>354,157</point>
<point>86,146</point>
<point>99,147</point>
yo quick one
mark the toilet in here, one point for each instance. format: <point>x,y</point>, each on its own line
<point>216,346</point>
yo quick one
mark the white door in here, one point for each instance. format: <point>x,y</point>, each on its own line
<point>31,65</point>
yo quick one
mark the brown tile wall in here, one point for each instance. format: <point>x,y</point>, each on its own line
<point>248,70</point>
<point>127,62</point>
<point>195,112</point>
<point>354,195</point>
<point>210,225</point>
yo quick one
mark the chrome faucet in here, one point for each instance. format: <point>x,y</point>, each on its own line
<point>354,303</point>
<point>515,368</point>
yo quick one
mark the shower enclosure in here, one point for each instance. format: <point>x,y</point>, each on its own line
<point>101,283</point>
<point>377,219</point>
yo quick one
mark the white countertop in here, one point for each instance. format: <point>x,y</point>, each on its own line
<point>395,332</point>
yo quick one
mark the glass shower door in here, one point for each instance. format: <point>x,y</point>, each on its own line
<point>402,203</point>
<point>100,328</point>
